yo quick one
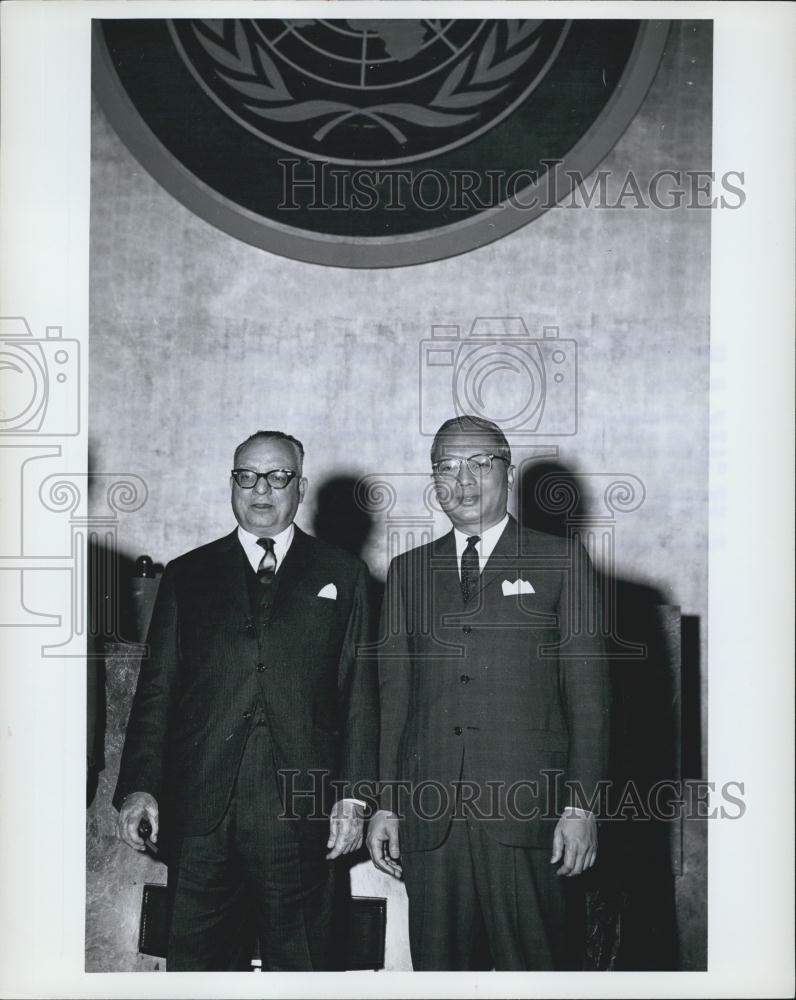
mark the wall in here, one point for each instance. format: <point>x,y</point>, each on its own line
<point>196,340</point>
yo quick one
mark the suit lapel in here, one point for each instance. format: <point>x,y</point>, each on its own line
<point>445,566</point>
<point>502,560</point>
<point>445,584</point>
<point>227,579</point>
<point>295,566</point>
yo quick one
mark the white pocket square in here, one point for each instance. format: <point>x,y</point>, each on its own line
<point>329,591</point>
<point>511,587</point>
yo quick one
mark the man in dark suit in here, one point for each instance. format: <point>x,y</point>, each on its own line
<point>494,719</point>
<point>254,716</point>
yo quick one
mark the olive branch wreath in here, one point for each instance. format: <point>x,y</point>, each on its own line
<point>256,77</point>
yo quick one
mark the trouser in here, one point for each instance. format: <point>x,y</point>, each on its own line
<point>251,875</point>
<point>477,904</point>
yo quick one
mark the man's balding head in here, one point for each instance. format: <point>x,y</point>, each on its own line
<point>485,434</point>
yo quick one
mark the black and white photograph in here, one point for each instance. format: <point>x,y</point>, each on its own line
<point>396,524</point>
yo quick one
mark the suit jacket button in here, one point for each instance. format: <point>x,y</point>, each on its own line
<point>247,715</point>
<point>457,730</point>
<point>464,679</point>
<point>466,629</point>
<point>260,668</point>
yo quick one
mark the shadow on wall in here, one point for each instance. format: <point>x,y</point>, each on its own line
<point>113,617</point>
<point>114,613</point>
<point>341,521</point>
<point>630,896</point>
<point>630,916</point>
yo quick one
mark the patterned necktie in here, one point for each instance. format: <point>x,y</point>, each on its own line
<point>471,568</point>
<point>267,567</point>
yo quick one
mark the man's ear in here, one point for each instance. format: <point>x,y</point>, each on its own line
<point>510,476</point>
<point>302,489</point>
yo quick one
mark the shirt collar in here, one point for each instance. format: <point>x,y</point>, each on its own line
<point>254,552</point>
<point>486,545</point>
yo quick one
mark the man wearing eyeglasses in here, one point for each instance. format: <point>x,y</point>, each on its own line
<point>494,720</point>
<point>254,718</point>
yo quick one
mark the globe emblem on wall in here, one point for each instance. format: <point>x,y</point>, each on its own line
<point>371,142</point>
<point>368,91</point>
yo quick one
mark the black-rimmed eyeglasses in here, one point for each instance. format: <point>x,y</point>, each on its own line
<point>247,479</point>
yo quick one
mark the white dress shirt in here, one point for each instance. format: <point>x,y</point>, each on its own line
<point>255,552</point>
<point>484,547</point>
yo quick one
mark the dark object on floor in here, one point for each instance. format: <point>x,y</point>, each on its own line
<point>364,944</point>
<point>367,925</point>
<point>153,930</point>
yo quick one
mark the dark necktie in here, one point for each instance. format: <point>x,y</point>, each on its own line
<point>267,567</point>
<point>471,568</point>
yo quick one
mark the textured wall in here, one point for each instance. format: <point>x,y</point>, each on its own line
<point>197,339</point>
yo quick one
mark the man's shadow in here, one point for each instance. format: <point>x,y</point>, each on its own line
<point>112,617</point>
<point>630,920</point>
<point>340,520</point>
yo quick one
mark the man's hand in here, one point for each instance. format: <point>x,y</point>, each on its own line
<point>346,828</point>
<point>383,843</point>
<point>138,806</point>
<point>575,840</point>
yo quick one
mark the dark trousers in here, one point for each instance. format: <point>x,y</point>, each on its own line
<point>478,904</point>
<point>252,875</point>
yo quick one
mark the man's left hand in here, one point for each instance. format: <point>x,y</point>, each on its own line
<point>346,828</point>
<point>575,841</point>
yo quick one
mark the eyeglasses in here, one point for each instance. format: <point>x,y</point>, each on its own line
<point>479,465</point>
<point>247,479</point>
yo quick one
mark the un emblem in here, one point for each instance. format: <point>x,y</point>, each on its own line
<point>368,92</point>
<point>371,142</point>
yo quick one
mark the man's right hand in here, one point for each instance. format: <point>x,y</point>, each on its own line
<point>137,806</point>
<point>382,841</point>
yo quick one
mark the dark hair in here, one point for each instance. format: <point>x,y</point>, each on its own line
<point>271,436</point>
<point>468,424</point>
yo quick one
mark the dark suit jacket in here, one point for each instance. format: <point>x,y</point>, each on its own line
<point>511,688</point>
<point>210,662</point>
